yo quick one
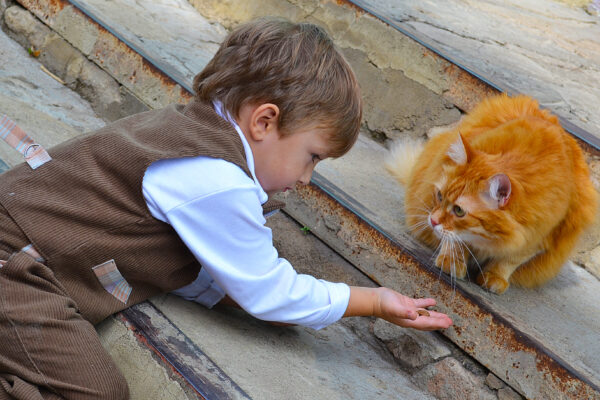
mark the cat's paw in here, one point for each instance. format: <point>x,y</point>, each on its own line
<point>451,266</point>
<point>492,282</point>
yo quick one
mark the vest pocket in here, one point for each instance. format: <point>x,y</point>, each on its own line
<point>112,280</point>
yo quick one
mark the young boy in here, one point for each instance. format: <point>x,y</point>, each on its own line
<point>141,206</point>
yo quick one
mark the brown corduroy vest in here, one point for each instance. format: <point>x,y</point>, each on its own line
<point>86,206</point>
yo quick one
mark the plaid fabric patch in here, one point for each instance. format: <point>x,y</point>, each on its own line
<point>34,154</point>
<point>29,249</point>
<point>112,280</point>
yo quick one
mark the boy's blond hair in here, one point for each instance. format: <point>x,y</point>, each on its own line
<point>294,66</point>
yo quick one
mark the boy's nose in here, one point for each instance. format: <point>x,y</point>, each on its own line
<point>305,178</point>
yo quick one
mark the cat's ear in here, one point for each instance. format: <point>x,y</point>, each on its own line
<point>498,191</point>
<point>459,151</point>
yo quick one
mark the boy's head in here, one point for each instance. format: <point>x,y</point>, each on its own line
<point>294,66</point>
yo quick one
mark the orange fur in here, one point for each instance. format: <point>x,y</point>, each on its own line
<point>525,234</point>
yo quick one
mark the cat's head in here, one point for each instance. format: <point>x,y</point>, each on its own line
<point>472,198</point>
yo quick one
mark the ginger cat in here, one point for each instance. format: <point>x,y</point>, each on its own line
<point>507,186</point>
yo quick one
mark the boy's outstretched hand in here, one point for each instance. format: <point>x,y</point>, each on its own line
<point>396,308</point>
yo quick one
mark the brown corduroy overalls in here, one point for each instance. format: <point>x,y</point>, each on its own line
<point>81,210</point>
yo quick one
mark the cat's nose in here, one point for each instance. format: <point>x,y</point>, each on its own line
<point>433,222</point>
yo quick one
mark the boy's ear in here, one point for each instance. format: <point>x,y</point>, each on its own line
<point>264,120</point>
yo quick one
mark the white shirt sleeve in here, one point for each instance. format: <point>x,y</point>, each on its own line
<point>216,210</point>
<point>203,290</point>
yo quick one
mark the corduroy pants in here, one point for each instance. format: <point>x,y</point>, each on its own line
<point>47,350</point>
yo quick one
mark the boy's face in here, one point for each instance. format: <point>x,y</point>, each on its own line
<point>283,162</point>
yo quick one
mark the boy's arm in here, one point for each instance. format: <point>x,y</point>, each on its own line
<point>394,307</point>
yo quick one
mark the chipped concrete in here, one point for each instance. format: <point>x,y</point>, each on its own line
<point>106,96</point>
<point>147,377</point>
<point>412,348</point>
<point>25,91</point>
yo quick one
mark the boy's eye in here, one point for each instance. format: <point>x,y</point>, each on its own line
<point>439,196</point>
<point>459,212</point>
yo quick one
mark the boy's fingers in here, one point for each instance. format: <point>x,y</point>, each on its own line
<point>413,315</point>
<point>423,303</point>
<point>434,321</point>
<point>408,314</point>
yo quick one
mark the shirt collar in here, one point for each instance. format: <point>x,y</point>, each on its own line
<point>219,109</point>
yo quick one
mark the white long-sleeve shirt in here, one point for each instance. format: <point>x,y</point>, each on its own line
<point>216,209</point>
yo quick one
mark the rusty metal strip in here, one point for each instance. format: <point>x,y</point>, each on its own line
<point>399,265</point>
<point>158,333</point>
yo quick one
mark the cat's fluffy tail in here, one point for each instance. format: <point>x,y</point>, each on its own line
<point>402,157</point>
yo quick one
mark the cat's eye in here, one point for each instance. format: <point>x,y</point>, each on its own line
<point>459,212</point>
<point>439,196</point>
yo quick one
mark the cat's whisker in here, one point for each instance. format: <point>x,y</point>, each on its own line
<point>421,225</point>
<point>449,250</point>
<point>455,260</point>
<point>455,257</point>
<point>424,205</point>
<point>472,255</point>
<point>427,210</point>
<point>416,215</point>
<point>436,252</point>
<point>453,274</point>
<point>419,229</point>
<point>427,206</point>
<point>460,244</point>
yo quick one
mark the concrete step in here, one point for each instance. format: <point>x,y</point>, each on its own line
<point>169,348</point>
<point>268,362</point>
<point>356,208</point>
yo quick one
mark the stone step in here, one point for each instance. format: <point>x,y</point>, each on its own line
<point>356,208</point>
<point>147,341</point>
<point>158,359</point>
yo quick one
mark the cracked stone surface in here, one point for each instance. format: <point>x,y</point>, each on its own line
<point>46,109</point>
<point>169,30</point>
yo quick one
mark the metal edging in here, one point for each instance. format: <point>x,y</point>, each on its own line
<point>143,321</point>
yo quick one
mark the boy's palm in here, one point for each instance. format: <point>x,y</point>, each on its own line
<point>402,310</point>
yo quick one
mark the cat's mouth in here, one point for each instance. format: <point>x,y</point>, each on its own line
<point>437,229</point>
